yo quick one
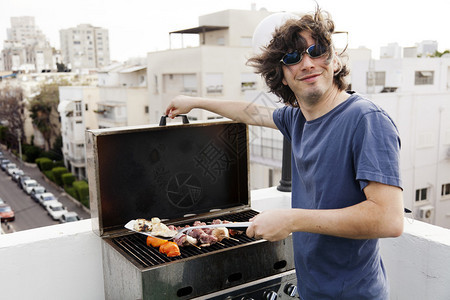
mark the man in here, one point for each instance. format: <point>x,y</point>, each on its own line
<point>346,187</point>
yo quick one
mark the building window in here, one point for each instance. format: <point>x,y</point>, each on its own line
<point>445,191</point>
<point>189,84</point>
<point>146,109</point>
<point>424,77</point>
<point>376,78</point>
<point>248,81</point>
<point>78,108</point>
<point>214,83</point>
<point>422,195</point>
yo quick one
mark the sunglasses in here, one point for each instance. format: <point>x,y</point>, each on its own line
<point>313,51</point>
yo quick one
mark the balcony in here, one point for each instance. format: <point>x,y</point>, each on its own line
<point>64,261</point>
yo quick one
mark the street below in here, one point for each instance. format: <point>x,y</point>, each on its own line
<point>28,213</point>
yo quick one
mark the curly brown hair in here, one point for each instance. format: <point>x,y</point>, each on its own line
<point>286,39</point>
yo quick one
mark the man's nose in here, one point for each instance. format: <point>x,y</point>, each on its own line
<point>306,63</point>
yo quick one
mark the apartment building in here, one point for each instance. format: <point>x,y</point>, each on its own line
<point>119,99</point>
<point>217,69</point>
<point>26,48</point>
<point>76,108</point>
<point>85,47</point>
<point>416,93</point>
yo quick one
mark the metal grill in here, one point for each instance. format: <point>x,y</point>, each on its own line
<point>134,245</point>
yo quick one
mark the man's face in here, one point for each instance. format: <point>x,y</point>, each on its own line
<point>311,78</point>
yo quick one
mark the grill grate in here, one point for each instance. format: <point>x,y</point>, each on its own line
<point>134,245</point>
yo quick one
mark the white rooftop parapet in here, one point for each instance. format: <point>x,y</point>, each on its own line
<point>418,262</point>
<point>54,262</point>
<point>65,261</point>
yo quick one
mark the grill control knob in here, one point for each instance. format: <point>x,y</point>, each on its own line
<point>290,289</point>
<point>270,295</point>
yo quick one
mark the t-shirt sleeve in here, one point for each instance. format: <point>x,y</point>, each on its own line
<point>376,150</point>
<point>282,118</point>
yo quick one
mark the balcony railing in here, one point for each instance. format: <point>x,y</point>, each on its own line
<point>65,261</point>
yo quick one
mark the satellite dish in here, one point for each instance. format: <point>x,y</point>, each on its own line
<point>265,29</point>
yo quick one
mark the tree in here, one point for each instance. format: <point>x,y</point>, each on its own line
<point>44,112</point>
<point>12,113</point>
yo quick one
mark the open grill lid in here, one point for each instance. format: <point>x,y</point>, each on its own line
<point>165,171</point>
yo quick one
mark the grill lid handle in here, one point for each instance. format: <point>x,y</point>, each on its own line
<point>162,122</point>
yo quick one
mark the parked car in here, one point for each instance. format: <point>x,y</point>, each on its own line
<point>70,216</point>
<point>4,163</point>
<point>36,192</point>
<point>45,198</point>
<point>29,184</point>
<point>6,213</point>
<point>22,180</point>
<point>56,210</point>
<point>15,177</point>
<point>12,172</point>
<point>10,166</point>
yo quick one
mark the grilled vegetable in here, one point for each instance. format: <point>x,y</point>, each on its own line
<point>155,242</point>
<point>171,249</point>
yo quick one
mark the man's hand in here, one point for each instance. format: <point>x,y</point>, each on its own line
<point>271,225</point>
<point>180,105</point>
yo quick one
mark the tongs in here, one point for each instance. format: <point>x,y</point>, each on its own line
<point>241,226</point>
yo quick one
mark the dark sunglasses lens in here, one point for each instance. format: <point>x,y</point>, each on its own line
<point>291,58</point>
<point>316,50</point>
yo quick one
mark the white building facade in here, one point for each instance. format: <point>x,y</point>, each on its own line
<point>85,47</point>
<point>119,99</point>
<point>26,48</point>
<point>217,69</point>
<point>416,93</point>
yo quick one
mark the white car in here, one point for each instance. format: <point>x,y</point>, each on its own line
<point>36,192</point>
<point>45,198</point>
<point>28,185</point>
<point>70,216</point>
<point>10,166</point>
<point>56,210</point>
<point>14,171</point>
<point>17,174</point>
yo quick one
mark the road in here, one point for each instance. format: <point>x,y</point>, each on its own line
<point>30,214</point>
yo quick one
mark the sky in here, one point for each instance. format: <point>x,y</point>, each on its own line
<point>140,26</point>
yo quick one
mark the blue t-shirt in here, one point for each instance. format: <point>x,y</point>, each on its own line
<point>333,159</point>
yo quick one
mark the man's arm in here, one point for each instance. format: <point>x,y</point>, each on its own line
<point>381,215</point>
<point>240,111</point>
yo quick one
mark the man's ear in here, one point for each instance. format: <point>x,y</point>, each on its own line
<point>337,65</point>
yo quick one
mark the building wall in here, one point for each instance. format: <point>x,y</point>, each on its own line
<point>241,23</point>
<point>202,63</point>
<point>26,48</point>
<point>423,121</point>
<point>401,73</point>
<point>85,47</point>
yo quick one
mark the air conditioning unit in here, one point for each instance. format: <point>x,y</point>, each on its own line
<point>426,212</point>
